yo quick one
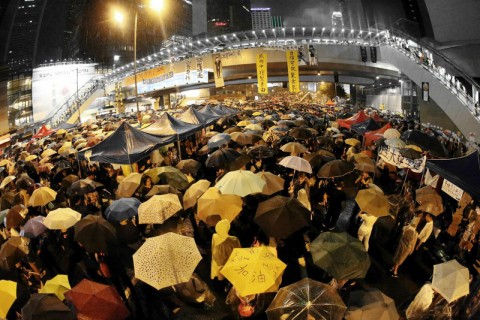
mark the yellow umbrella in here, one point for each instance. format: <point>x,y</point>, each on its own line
<point>243,123</point>
<point>4,162</point>
<point>8,294</point>
<point>61,219</point>
<point>373,202</point>
<point>240,183</point>
<point>128,185</point>
<point>214,203</point>
<point>6,181</point>
<point>153,174</point>
<point>61,131</point>
<point>254,127</point>
<point>430,201</point>
<point>31,157</point>
<point>44,160</point>
<point>294,147</point>
<point>352,142</point>
<point>253,270</point>
<point>257,113</point>
<point>57,285</point>
<point>362,158</point>
<point>195,191</point>
<point>273,183</point>
<point>48,153</point>
<point>158,208</point>
<point>414,147</point>
<point>42,196</point>
<point>210,134</point>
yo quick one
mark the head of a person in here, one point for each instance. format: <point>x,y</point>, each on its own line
<point>428,217</point>
<point>301,176</point>
<point>222,228</point>
<point>365,175</point>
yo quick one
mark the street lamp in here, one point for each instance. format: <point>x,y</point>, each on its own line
<point>155,5</point>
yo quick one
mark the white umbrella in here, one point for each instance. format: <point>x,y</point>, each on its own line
<point>296,163</point>
<point>451,280</point>
<point>166,260</point>
<point>61,219</point>
<point>241,183</point>
<point>159,208</point>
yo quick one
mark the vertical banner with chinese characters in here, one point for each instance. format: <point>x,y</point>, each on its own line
<point>218,71</point>
<point>262,77</point>
<point>292,65</point>
<point>188,70</point>
<point>199,68</point>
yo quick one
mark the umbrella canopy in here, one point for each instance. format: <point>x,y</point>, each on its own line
<point>122,209</point>
<point>335,169</point>
<point>253,270</point>
<point>301,133</point>
<point>451,280</point>
<point>6,181</point>
<point>306,299</point>
<point>194,192</point>
<point>167,125</point>
<point>166,260</point>
<point>240,183</point>
<point>254,127</point>
<point>162,189</point>
<point>365,126</point>
<point>296,163</point>
<point>241,138</point>
<point>373,202</point>
<point>366,166</point>
<point>61,219</point>
<point>353,142</point>
<point>8,292</point>
<point>221,158</point>
<point>68,180</point>
<point>12,251</point>
<point>93,300</point>
<point>57,285</point>
<point>214,203</point>
<point>430,201</point>
<point>426,142</point>
<point>24,182</point>
<point>281,216</point>
<point>317,160</point>
<point>42,196</point>
<point>371,304</point>
<point>34,227</point>
<point>395,143</point>
<point>261,152</point>
<point>43,306</point>
<point>15,216</point>
<point>95,234</point>
<point>392,134</point>
<point>158,209</point>
<point>81,187</point>
<point>43,132</point>
<point>219,140</point>
<point>172,176</point>
<point>129,185</point>
<point>294,147</point>
<point>341,255</point>
<point>273,183</point>
<point>410,153</point>
<point>189,166</point>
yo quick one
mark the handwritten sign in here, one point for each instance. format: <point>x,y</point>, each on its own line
<point>394,157</point>
<point>452,190</point>
<point>292,66</point>
<point>262,77</point>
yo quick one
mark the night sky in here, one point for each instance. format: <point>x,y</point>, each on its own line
<point>301,12</point>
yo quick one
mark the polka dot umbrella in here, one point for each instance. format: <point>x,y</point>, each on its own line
<point>166,260</point>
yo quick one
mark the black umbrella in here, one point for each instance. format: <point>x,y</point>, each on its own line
<point>222,158</point>
<point>82,187</point>
<point>233,129</point>
<point>301,133</point>
<point>425,141</point>
<point>262,152</point>
<point>410,153</point>
<point>42,306</point>
<point>285,139</point>
<point>24,182</point>
<point>335,168</point>
<point>189,166</point>
<point>317,160</point>
<point>95,234</point>
<point>239,163</point>
<point>12,251</point>
<point>281,216</point>
<point>68,180</point>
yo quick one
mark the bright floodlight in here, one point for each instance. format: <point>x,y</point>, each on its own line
<point>156,5</point>
<point>118,16</point>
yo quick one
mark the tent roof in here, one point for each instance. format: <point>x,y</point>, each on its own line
<point>365,126</point>
<point>43,132</point>
<point>126,145</point>
<point>375,135</point>
<point>464,172</point>
<point>357,118</point>
<point>191,115</point>
<point>224,110</point>
<point>167,125</point>
<point>210,111</point>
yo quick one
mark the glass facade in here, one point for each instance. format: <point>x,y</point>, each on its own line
<point>19,97</point>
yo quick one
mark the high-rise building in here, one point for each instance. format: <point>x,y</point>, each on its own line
<point>277,22</point>
<point>227,16</point>
<point>261,18</point>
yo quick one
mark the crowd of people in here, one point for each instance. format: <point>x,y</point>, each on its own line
<point>90,188</point>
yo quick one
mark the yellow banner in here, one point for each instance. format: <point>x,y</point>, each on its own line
<point>145,75</point>
<point>292,65</point>
<point>262,76</point>
<point>218,71</point>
